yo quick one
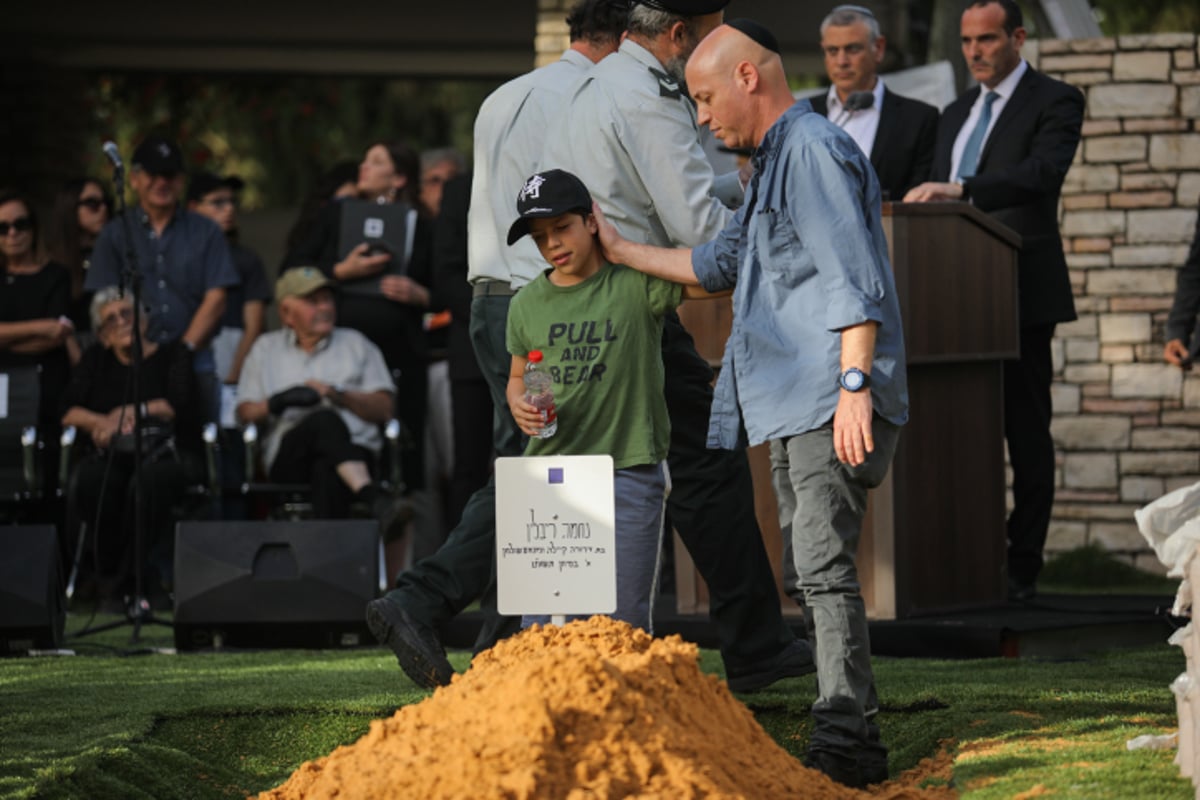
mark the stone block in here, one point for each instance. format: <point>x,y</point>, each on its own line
<point>1142,66</point>
<point>1165,439</point>
<point>1081,201</point>
<point>1115,149</point>
<point>1159,199</point>
<point>1107,405</point>
<point>1188,194</point>
<point>1081,350</point>
<point>1185,77</point>
<point>1144,421</point>
<point>1088,375</point>
<point>1175,151</point>
<point>1085,261</point>
<point>1098,44</point>
<point>1148,181</point>
<point>1124,328</point>
<point>1119,536</point>
<point>1162,225</point>
<point>1146,380</point>
<point>1091,305</point>
<point>1066,535</point>
<point>1087,326</point>
<point>1090,471</point>
<point>1087,78</point>
<point>1141,489</point>
<point>1170,463</point>
<point>1184,59</point>
<point>1178,482</point>
<point>1116,354</point>
<point>1182,417</point>
<point>1191,391</point>
<point>1189,101</point>
<point>1156,41</point>
<point>1124,100</point>
<point>1092,511</point>
<point>1131,281</point>
<point>1094,389</point>
<point>1057,358</point>
<point>1084,61</point>
<point>1091,244</point>
<point>1092,178</point>
<point>1154,255</point>
<point>1139,303</point>
<point>1077,279</point>
<point>1047,47</point>
<point>1064,398</point>
<point>1093,223</point>
<point>1166,125</point>
<point>1091,432</point>
<point>1100,127</point>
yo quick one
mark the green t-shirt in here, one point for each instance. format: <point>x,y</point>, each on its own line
<point>601,342</point>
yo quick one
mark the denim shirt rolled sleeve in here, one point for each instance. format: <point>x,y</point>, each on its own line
<point>806,257</point>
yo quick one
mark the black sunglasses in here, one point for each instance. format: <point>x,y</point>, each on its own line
<point>20,225</point>
<point>92,203</point>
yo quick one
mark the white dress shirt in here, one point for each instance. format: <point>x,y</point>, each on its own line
<point>861,125</point>
<point>1004,89</point>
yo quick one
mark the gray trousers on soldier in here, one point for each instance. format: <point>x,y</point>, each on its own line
<point>821,506</point>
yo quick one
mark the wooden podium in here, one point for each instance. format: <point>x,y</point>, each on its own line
<point>934,536</point>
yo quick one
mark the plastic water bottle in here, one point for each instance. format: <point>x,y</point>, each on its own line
<point>539,393</point>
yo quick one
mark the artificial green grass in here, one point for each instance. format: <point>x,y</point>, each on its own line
<point>229,724</point>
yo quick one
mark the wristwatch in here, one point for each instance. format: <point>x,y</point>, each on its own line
<point>337,394</point>
<point>854,379</point>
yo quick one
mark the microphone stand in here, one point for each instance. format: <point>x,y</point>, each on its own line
<point>137,609</point>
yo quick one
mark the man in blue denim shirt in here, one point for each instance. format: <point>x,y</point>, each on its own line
<point>815,358</point>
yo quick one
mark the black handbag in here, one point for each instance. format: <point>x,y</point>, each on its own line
<point>158,440</point>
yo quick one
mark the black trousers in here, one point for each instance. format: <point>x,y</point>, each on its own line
<point>471,405</point>
<point>711,503</point>
<point>1030,450</point>
<point>310,453</point>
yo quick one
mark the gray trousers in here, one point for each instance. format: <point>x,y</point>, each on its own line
<point>821,506</point>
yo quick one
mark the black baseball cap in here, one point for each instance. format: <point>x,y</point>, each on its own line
<point>548,194</point>
<point>204,182</point>
<point>158,156</point>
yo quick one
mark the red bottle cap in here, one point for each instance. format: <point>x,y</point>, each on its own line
<point>535,356</point>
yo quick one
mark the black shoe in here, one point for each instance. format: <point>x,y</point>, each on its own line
<point>393,513</point>
<point>1019,592</point>
<point>792,661</point>
<point>857,770</point>
<point>416,646</point>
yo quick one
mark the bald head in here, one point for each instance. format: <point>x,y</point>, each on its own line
<point>739,86</point>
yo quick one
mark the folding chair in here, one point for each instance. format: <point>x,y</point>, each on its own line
<point>21,445</point>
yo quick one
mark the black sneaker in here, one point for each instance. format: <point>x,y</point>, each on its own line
<point>792,661</point>
<point>843,769</point>
<point>416,646</point>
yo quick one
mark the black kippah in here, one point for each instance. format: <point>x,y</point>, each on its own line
<point>756,32</point>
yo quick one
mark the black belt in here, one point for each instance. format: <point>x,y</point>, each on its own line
<point>491,288</point>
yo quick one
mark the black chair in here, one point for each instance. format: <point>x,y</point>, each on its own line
<point>22,445</point>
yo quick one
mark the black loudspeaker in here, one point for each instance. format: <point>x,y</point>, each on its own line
<point>32,606</point>
<point>274,584</point>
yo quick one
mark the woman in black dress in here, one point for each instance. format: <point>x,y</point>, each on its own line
<point>100,404</point>
<point>387,308</point>
<point>81,208</point>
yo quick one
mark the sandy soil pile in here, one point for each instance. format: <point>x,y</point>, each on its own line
<point>595,709</point>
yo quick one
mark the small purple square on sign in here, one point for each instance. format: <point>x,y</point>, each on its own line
<point>556,475</point>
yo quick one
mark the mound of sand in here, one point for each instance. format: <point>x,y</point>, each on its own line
<point>595,709</point>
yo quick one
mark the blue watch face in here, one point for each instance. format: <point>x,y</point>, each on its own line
<point>852,380</point>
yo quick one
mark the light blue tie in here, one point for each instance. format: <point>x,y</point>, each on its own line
<point>970,154</point>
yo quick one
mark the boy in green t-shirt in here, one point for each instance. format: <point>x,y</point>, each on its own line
<point>599,327</point>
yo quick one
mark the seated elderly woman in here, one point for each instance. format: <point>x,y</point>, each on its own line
<point>100,404</point>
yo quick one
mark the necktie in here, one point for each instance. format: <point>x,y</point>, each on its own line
<point>970,154</point>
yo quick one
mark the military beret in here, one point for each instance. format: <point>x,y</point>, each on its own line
<point>687,8</point>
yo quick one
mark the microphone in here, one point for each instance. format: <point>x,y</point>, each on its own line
<point>114,155</point>
<point>857,101</point>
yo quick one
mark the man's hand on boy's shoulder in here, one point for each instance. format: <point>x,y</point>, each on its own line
<point>610,239</point>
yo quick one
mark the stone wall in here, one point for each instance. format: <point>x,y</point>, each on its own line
<point>1126,424</point>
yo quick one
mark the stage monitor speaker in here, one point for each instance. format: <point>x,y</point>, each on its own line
<point>32,606</point>
<point>274,584</point>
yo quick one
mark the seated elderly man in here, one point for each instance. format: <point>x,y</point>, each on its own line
<point>326,391</point>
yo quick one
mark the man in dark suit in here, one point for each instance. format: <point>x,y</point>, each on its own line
<point>1007,150</point>
<point>897,132</point>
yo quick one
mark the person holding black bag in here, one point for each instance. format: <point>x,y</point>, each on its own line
<point>99,404</point>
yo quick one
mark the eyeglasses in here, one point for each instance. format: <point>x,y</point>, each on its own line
<point>91,203</point>
<point>122,314</point>
<point>19,225</point>
<point>221,202</point>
